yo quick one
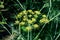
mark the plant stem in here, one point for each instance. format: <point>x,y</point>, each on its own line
<point>28,35</point>
<point>21,5</point>
<point>57,36</point>
<point>6,29</point>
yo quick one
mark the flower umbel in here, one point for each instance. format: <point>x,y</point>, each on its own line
<point>29,19</point>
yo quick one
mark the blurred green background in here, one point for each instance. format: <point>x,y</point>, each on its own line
<point>10,8</point>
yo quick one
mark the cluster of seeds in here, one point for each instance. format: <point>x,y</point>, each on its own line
<point>29,19</point>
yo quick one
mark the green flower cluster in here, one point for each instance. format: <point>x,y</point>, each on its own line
<point>29,19</point>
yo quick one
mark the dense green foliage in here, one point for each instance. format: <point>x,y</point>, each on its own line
<point>41,19</point>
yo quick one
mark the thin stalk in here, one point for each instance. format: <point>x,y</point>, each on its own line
<point>19,29</point>
<point>57,37</point>
<point>6,29</point>
<point>56,26</point>
<point>50,4</point>
<point>21,5</point>
<point>28,35</point>
<point>50,35</point>
<point>54,17</point>
<point>42,8</point>
<point>12,33</point>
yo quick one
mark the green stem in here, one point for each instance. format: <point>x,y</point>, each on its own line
<point>6,29</point>
<point>28,35</point>
<point>57,37</point>
<point>21,5</point>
